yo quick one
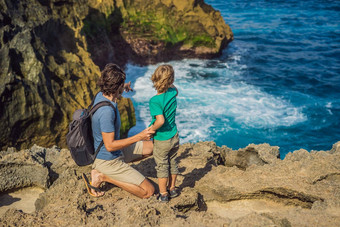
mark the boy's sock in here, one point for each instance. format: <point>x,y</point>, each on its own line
<point>173,192</point>
<point>163,197</point>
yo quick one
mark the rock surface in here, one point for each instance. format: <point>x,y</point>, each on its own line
<point>219,187</point>
<point>163,30</point>
<point>51,53</point>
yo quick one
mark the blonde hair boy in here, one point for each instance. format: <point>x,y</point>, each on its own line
<point>166,141</point>
<point>163,78</point>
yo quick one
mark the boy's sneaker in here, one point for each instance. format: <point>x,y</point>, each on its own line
<point>163,198</point>
<point>173,193</point>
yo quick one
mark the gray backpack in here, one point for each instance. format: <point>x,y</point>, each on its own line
<point>79,139</point>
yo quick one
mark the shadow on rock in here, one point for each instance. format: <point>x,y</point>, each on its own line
<point>146,167</point>
<point>6,200</point>
<point>195,175</point>
<point>190,162</point>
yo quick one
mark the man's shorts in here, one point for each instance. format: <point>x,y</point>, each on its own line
<point>118,169</point>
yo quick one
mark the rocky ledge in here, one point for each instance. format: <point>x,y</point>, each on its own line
<point>219,187</point>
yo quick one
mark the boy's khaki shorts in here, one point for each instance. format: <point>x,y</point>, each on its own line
<point>118,169</point>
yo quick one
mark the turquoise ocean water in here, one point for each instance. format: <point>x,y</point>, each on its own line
<point>278,82</point>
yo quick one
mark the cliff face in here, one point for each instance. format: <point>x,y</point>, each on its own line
<point>155,30</point>
<point>46,72</point>
<point>51,53</point>
<point>219,187</point>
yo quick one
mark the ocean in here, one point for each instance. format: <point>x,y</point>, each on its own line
<point>278,82</point>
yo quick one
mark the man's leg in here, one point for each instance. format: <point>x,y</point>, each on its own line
<point>147,149</point>
<point>97,179</point>
<point>137,151</point>
<point>144,190</point>
<point>123,173</point>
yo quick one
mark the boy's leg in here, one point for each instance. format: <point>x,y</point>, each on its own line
<point>162,182</point>
<point>172,181</point>
<point>160,154</point>
<point>173,163</point>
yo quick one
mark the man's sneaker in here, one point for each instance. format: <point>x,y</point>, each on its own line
<point>173,193</point>
<point>163,198</point>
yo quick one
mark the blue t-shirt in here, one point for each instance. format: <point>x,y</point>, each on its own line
<point>103,121</point>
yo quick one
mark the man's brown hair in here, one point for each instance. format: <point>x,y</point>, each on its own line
<point>111,79</point>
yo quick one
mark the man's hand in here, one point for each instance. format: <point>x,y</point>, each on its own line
<point>127,87</point>
<point>146,134</point>
<point>150,130</point>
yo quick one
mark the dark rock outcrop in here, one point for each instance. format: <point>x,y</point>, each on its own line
<point>50,52</point>
<point>154,31</point>
<point>46,72</point>
<point>163,30</point>
<point>301,190</point>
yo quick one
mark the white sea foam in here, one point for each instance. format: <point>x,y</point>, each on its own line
<point>328,107</point>
<point>211,96</point>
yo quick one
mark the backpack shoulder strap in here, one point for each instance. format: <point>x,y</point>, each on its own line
<point>93,110</point>
<point>94,98</point>
<point>100,104</point>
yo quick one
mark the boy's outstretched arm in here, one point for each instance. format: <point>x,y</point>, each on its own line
<point>158,123</point>
<point>127,87</point>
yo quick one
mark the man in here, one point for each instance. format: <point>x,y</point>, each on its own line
<point>111,162</point>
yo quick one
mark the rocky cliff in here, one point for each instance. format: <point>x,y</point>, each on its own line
<point>219,187</point>
<point>51,53</point>
<point>155,30</point>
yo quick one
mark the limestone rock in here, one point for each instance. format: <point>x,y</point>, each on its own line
<point>335,148</point>
<point>260,220</point>
<point>251,155</point>
<point>301,190</point>
<point>24,168</point>
<point>267,153</point>
<point>297,155</point>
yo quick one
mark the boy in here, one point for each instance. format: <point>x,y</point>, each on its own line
<point>166,142</point>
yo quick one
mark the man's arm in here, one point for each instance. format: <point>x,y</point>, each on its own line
<point>158,123</point>
<point>113,145</point>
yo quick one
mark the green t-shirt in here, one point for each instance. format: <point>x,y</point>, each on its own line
<point>164,104</point>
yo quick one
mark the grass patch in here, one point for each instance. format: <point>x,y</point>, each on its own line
<point>148,25</point>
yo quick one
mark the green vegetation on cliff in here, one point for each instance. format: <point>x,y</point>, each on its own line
<point>152,26</point>
<point>154,30</point>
